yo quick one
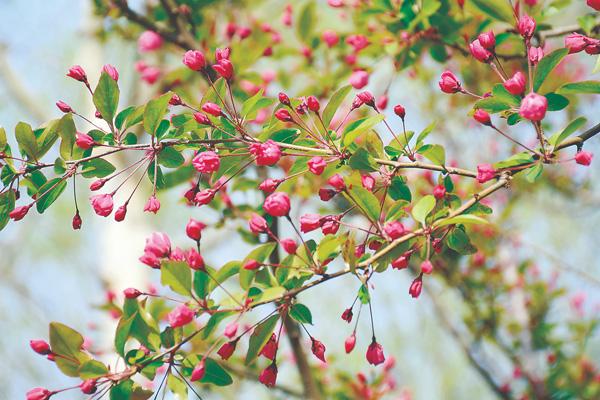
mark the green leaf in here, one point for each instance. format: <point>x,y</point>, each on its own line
<point>363,294</point>
<point>546,65</point>
<point>534,172</point>
<point>122,333</point>
<point>67,342</point>
<point>97,168</point>
<point>573,126</point>
<point>423,207</point>
<point>155,111</point>
<point>260,254</point>
<point>461,219</point>
<point>366,201</point>
<point>215,374</point>
<point>301,313</point>
<point>170,158</point>
<point>201,281</point>
<point>177,386</point>
<point>92,369</point>
<point>334,103</point>
<point>514,160</point>
<point>260,337</point>
<point>177,275</point>
<point>399,190</point>
<point>592,87</point>
<point>357,128</point>
<point>122,391</point>
<point>460,242</point>
<point>49,192</point>
<point>434,153</point>
<point>306,22</point>
<point>26,140</point>
<point>329,247</point>
<point>499,10</point>
<point>48,137</point>
<point>250,103</point>
<point>106,97</point>
<point>556,102</point>
<point>362,160</point>
<point>270,294</point>
<point>7,204</point>
<point>3,141</point>
<point>492,105</point>
<point>500,93</point>
<point>424,133</point>
<point>68,135</point>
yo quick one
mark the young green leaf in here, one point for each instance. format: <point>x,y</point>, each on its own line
<point>546,65</point>
<point>106,97</point>
<point>423,207</point>
<point>177,275</point>
<point>260,337</point>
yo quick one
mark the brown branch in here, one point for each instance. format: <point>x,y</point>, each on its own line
<point>579,140</point>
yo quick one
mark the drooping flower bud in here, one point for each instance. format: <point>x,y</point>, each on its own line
<point>194,229</point>
<point>152,205</point>
<point>268,376</point>
<point>88,386</point>
<point>204,196</point>
<point>76,222</point>
<point>309,222</point>
<point>198,372</point>
<point>426,267</point>
<point>257,224</point>
<point>316,165</point>
<point>375,354</point>
<point>277,204</point>
<point>347,315</point>
<point>227,349</point>
<point>359,79</point>
<point>121,213</point>
<point>267,153</point>
<point>349,343</point>
<point>180,316</point>
<point>482,117</point>
<point>439,192</point>
<point>207,162</point>
<point>38,394</point>
<point>516,84</point>
<point>595,4</point>
<point>269,185</point>
<point>194,259</point>
<point>270,349</point>
<point>583,158</point>
<point>149,41</point>
<point>224,68</point>
<point>102,204</point>
<point>394,229</point>
<point>327,194</point>
<point>337,181</point>
<point>318,349</point>
<point>449,83</point>
<point>479,52</point>
<point>289,245</point>
<point>415,287</point>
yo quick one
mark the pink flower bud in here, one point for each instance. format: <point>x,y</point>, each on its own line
<point>102,204</point>
<point>212,109</point>
<point>180,316</point>
<point>382,102</point>
<point>330,38</point>
<point>284,99</point>
<point>335,3</point>
<point>347,315</point>
<point>97,184</point>
<point>400,262</point>
<point>230,330</point>
<point>194,60</point>
<point>482,117</point>
<point>150,75</point>
<point>526,26</point>
<point>175,100</point>
<point>358,42</point>
<point>149,41</point>
<point>350,343</point>
<point>337,182</point>
<point>394,229</point>
<point>251,265</point>
<point>150,259</point>
<point>313,104</point>
<point>84,141</point>
<point>426,267</point>
<point>330,224</point>
<point>367,98</point>
<point>268,376</point>
<point>479,52</point>
<point>222,54</point>
<point>400,111</point>
<point>310,222</point>
<point>198,372</point>
<point>289,245</point>
<point>19,212</point>
<point>194,259</point>
<point>269,185</point>
<point>224,68</point>
<point>76,72</point>
<point>158,244</point>
<point>202,119</point>
<point>267,153</point>
<point>368,182</point>
<point>485,172</point>
<point>76,223</point>
<point>318,349</point>
<point>595,4</point>
<point>439,192</point>
<point>316,165</point>
<point>227,349</point>
<point>111,71</point>
<point>204,196</point>
<point>88,386</point>
<point>449,83</point>
<point>38,394</point>
<point>194,229</point>
<point>326,194</point>
<point>583,158</point>
<point>487,40</point>
<point>359,79</point>
<point>375,353</point>
<point>131,293</point>
<point>257,224</point>
<point>40,346</point>
<point>283,115</point>
<point>535,54</point>
<point>533,107</point>
<point>64,107</point>
<point>277,204</point>
<point>206,162</point>
<point>152,205</point>
<point>121,213</point>
<point>516,84</point>
<point>270,349</point>
<point>415,287</point>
